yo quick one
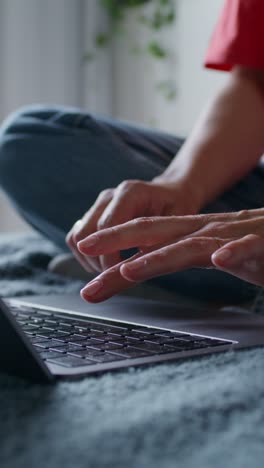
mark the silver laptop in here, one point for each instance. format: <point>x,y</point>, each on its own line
<point>44,338</point>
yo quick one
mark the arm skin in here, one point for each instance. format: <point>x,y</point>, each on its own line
<point>227,141</point>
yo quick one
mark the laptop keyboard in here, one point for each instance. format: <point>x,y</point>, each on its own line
<point>79,341</point>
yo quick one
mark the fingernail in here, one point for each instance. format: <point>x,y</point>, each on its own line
<point>222,255</point>
<point>77,225</point>
<point>92,288</point>
<point>89,242</point>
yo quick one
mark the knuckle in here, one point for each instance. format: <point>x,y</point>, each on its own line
<point>194,243</point>
<point>214,226</point>
<point>218,243</point>
<point>203,219</point>
<point>105,195</point>
<point>242,214</point>
<point>104,222</point>
<point>129,185</point>
<point>78,237</point>
<point>144,222</point>
<point>160,255</point>
<point>254,238</point>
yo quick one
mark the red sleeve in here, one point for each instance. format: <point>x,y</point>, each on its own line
<point>239,36</point>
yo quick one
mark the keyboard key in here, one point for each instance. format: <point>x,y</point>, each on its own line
<point>186,347</point>
<point>53,334</point>
<point>82,353</point>
<point>108,328</point>
<point>169,334</point>
<point>130,352</point>
<point>145,330</point>
<point>65,321</point>
<point>139,336</point>
<point>48,354</point>
<point>82,324</point>
<point>41,313</point>
<point>66,349</point>
<point>51,323</point>
<point>157,340</point>
<point>36,339</point>
<point>99,339</point>
<point>83,343</point>
<point>81,330</point>
<point>70,361</point>
<point>29,328</point>
<point>49,344</point>
<point>177,342</point>
<point>106,346</point>
<point>75,337</point>
<point>36,321</point>
<point>65,326</point>
<point>150,347</point>
<point>106,357</point>
<point>23,316</point>
<point>50,327</point>
<point>190,338</point>
<point>133,339</point>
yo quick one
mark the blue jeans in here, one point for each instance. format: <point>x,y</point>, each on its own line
<point>54,161</point>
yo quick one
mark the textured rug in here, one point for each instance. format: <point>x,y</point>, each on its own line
<point>206,413</point>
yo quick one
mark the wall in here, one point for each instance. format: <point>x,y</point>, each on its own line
<point>135,96</point>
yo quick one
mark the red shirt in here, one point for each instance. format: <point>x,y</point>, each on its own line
<point>239,36</point>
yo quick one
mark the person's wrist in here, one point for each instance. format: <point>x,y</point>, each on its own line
<point>188,195</point>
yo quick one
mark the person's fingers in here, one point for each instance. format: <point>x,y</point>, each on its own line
<point>127,203</point>
<point>189,253</point>
<point>107,284</point>
<point>145,231</point>
<point>87,225</point>
<point>88,266</point>
<point>129,200</point>
<point>233,226</point>
<point>91,217</point>
<point>243,258</point>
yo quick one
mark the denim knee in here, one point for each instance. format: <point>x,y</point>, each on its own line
<point>11,135</point>
<point>22,140</point>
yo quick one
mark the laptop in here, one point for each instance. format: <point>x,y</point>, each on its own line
<point>45,338</point>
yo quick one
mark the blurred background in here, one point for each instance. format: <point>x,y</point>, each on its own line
<point>59,52</point>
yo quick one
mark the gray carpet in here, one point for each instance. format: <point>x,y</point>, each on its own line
<point>206,413</point>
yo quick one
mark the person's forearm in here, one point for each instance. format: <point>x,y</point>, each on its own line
<point>226,143</point>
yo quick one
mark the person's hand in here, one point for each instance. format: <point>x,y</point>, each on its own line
<point>174,243</point>
<point>243,258</point>
<point>131,199</point>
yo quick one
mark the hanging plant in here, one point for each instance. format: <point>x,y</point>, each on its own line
<point>159,15</point>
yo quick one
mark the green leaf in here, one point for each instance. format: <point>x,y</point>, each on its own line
<point>102,40</point>
<point>156,50</point>
<point>168,89</point>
